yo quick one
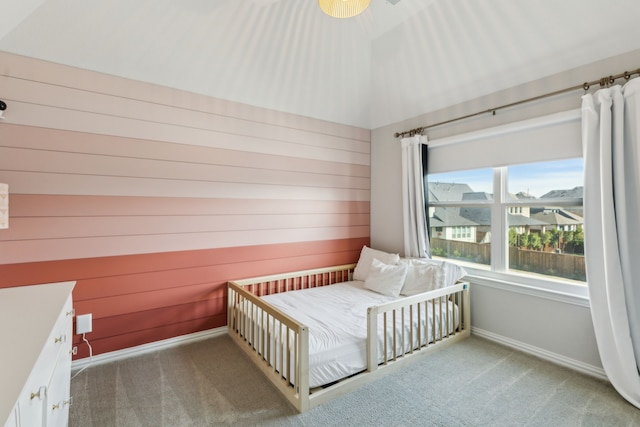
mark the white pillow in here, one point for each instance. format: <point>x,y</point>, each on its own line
<point>386,279</point>
<point>451,272</point>
<point>422,278</point>
<point>366,258</point>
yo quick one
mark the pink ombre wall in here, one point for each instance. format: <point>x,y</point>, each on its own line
<point>152,198</point>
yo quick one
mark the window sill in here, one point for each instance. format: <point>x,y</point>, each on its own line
<point>565,291</point>
<point>556,291</point>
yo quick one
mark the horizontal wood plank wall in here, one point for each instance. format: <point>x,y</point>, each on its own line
<point>153,198</point>
<point>137,299</point>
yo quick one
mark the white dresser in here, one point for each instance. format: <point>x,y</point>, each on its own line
<point>35,355</point>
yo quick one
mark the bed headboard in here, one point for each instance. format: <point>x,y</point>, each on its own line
<point>276,283</point>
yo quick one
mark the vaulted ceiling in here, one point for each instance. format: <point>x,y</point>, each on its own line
<point>393,62</point>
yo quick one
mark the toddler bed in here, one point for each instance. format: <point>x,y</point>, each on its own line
<point>316,342</point>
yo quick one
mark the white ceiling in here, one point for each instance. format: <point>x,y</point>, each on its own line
<point>391,63</point>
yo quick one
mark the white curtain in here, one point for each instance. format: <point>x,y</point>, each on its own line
<point>610,125</point>
<point>416,243</point>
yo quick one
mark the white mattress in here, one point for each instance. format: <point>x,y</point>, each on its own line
<point>337,319</point>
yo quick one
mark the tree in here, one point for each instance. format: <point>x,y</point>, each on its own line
<point>556,237</point>
<point>546,238</point>
<point>535,242</point>
<point>578,239</point>
<point>568,241</point>
<point>513,237</point>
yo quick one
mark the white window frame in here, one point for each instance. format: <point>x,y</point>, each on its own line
<point>565,126</point>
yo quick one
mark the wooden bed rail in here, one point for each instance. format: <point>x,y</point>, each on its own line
<point>276,283</point>
<point>279,345</point>
<point>283,344</point>
<point>448,304</point>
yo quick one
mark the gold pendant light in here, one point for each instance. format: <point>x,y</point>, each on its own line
<point>343,8</point>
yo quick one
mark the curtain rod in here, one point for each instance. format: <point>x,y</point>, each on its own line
<point>604,81</point>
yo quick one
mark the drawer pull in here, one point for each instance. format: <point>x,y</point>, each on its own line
<point>40,394</point>
<point>71,312</point>
<point>61,338</point>
<point>68,402</point>
<point>56,406</point>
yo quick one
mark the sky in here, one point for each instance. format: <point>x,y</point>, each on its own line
<point>536,179</point>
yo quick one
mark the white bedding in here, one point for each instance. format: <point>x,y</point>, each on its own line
<point>336,316</point>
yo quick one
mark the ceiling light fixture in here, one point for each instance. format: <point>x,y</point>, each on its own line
<point>343,8</point>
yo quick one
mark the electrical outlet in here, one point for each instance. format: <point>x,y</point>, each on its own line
<point>83,323</point>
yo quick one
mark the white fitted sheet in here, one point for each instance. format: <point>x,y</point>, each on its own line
<point>336,316</point>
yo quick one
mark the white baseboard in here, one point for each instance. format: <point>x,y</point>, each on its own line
<point>112,356</point>
<point>559,359</point>
<point>556,358</point>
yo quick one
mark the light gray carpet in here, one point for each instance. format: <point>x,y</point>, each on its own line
<point>473,383</point>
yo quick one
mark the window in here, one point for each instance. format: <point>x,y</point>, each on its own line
<point>550,241</point>
<point>460,215</point>
<point>524,219</point>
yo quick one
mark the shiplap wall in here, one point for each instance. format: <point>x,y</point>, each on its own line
<point>152,198</point>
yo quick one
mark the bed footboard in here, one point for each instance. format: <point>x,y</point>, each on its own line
<point>397,336</point>
<point>414,324</point>
<point>279,345</point>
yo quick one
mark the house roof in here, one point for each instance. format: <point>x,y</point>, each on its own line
<point>396,61</point>
<point>557,217</point>
<point>447,191</point>
<point>522,195</point>
<point>573,193</point>
<point>482,216</point>
<point>449,217</point>
<point>473,215</point>
<point>521,220</point>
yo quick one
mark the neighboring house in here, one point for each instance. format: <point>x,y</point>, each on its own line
<point>520,210</point>
<point>473,224</point>
<point>574,193</point>
<point>517,217</point>
<point>556,218</point>
<point>560,218</point>
<point>448,223</point>
<point>447,191</point>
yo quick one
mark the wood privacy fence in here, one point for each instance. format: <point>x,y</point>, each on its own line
<point>475,252</point>
<point>550,263</point>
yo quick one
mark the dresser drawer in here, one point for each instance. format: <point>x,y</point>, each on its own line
<point>41,355</point>
<point>59,340</point>
<point>31,406</point>
<point>58,393</point>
